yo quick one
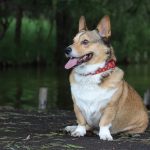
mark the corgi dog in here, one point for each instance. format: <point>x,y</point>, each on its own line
<point>103,101</point>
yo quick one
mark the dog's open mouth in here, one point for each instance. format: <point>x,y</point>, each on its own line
<point>76,61</point>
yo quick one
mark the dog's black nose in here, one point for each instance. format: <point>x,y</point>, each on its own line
<point>68,50</point>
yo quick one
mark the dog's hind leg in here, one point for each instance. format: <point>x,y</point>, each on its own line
<point>138,128</point>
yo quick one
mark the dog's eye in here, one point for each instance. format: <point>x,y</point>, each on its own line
<point>85,42</point>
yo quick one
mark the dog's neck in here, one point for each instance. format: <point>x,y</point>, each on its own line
<point>105,67</point>
<point>85,69</point>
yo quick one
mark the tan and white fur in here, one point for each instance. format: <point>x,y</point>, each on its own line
<point>108,104</point>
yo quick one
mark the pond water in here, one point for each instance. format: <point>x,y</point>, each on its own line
<point>20,87</point>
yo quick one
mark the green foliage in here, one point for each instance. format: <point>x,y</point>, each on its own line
<point>39,31</point>
<point>35,42</point>
<point>129,19</point>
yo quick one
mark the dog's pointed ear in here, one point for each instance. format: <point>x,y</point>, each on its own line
<point>104,27</point>
<point>82,24</point>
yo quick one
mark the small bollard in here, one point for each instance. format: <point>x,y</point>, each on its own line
<point>147,98</point>
<point>43,91</point>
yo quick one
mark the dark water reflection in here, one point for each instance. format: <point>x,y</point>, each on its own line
<point>20,87</point>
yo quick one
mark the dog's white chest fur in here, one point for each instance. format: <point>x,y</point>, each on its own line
<point>90,97</point>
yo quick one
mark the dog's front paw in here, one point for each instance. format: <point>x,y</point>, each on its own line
<point>104,134</point>
<point>70,128</point>
<point>79,131</point>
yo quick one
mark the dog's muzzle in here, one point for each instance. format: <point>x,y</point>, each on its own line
<point>68,50</point>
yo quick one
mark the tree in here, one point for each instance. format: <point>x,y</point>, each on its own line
<point>19,16</point>
<point>4,23</point>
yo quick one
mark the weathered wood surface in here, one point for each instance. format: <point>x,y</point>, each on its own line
<point>22,130</point>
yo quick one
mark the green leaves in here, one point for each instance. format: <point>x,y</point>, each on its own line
<point>40,29</point>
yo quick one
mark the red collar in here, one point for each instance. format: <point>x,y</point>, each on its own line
<point>109,65</point>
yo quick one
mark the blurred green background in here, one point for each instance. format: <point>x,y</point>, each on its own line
<point>34,33</point>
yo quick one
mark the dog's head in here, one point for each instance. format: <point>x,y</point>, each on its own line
<point>90,47</point>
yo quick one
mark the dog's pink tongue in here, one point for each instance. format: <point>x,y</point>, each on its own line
<point>71,63</point>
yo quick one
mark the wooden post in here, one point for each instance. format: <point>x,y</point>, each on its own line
<point>43,91</point>
<point>137,57</point>
<point>147,98</point>
<point>145,56</point>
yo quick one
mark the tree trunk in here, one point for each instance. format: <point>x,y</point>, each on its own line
<point>19,15</point>
<point>63,26</point>
<point>3,19</point>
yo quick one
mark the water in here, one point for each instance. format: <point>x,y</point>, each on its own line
<point>20,87</point>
